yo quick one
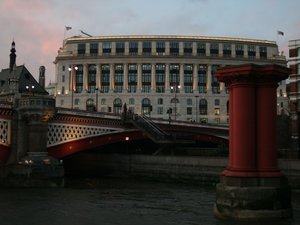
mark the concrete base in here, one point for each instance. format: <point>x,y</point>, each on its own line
<point>35,170</point>
<point>253,198</point>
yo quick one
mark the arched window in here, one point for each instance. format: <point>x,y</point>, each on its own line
<point>173,100</point>
<point>203,106</point>
<point>117,106</point>
<point>146,106</point>
<point>90,106</point>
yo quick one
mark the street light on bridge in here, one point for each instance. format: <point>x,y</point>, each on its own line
<point>71,69</point>
<point>197,96</point>
<point>96,89</point>
<point>175,89</point>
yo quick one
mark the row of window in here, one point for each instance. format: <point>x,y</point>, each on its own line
<point>146,75</point>
<point>146,105</point>
<point>174,49</point>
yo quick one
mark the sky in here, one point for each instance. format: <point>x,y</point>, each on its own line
<point>38,26</point>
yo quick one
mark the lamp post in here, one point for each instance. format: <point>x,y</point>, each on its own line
<point>197,96</point>
<point>174,89</point>
<point>96,99</point>
<point>71,83</point>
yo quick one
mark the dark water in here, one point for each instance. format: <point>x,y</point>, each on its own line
<point>117,202</point>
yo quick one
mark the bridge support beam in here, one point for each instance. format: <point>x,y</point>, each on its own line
<point>252,186</point>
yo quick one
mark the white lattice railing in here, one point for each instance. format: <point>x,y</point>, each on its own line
<point>5,132</point>
<point>61,133</point>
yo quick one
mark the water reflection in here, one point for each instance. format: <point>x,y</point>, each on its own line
<point>117,201</point>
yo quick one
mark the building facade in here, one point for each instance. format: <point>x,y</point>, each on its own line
<point>169,77</point>
<point>294,89</point>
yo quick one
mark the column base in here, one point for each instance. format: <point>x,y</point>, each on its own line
<point>233,172</point>
<point>253,198</point>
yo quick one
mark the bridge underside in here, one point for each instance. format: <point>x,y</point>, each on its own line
<point>73,147</point>
<point>4,153</point>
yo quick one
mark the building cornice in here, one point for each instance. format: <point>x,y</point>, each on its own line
<point>167,37</point>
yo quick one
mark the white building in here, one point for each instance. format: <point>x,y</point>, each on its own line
<point>153,74</point>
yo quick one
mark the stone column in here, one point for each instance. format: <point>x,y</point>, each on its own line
<point>34,167</point>
<point>85,78</point>
<point>222,88</point>
<point>252,186</point>
<point>98,77</point>
<point>126,48</point>
<point>208,81</point>
<point>195,78</point>
<point>139,78</point>
<point>111,77</point>
<point>194,49</point>
<point>181,77</point>
<point>140,48</point>
<point>167,80</point>
<point>125,80</point>
<point>153,82</point>
<point>37,131</point>
<point>245,51</point>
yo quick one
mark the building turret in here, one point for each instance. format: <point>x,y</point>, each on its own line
<point>12,56</point>
<point>13,80</point>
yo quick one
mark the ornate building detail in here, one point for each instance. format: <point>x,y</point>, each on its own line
<point>5,130</point>
<point>62,133</point>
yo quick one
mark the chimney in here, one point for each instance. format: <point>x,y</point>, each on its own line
<point>42,76</point>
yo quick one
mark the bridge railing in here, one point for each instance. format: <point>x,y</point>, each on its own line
<point>35,102</point>
<point>148,126</point>
<point>84,113</point>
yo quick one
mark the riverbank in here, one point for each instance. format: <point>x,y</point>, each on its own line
<point>203,170</point>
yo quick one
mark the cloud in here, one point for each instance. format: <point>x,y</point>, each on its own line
<point>38,26</point>
<point>30,23</point>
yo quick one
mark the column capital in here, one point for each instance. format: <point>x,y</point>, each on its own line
<point>252,73</point>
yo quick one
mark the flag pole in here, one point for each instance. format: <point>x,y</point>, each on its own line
<point>65,31</point>
<point>279,33</point>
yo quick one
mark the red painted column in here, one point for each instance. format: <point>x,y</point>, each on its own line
<point>231,124</point>
<point>266,101</point>
<point>243,130</point>
<point>252,135</point>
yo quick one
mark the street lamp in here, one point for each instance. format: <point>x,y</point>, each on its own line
<point>96,99</point>
<point>71,83</point>
<point>197,96</point>
<point>174,89</point>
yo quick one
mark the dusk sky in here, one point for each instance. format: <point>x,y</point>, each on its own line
<point>38,26</point>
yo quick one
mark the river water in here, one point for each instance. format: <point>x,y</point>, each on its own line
<point>117,202</point>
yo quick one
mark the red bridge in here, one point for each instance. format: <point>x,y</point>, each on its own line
<point>72,131</point>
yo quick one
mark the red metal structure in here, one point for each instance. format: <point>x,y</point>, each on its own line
<point>252,166</point>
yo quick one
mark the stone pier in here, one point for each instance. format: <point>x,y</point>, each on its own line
<point>252,186</point>
<point>29,164</point>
